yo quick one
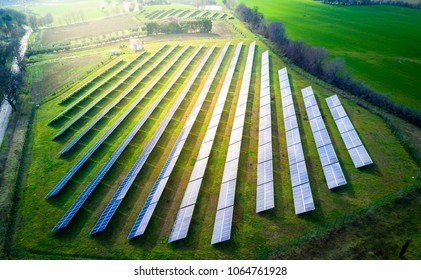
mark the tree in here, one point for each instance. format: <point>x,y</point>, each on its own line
<point>277,34</point>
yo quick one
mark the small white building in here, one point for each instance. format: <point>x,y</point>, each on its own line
<point>136,44</point>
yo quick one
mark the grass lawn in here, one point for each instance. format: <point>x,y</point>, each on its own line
<point>379,43</point>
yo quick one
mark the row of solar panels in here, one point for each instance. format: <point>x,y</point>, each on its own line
<point>88,190</point>
<point>225,208</point>
<point>57,188</point>
<point>99,99</point>
<point>265,194</point>
<point>330,163</point>
<point>303,198</point>
<point>111,72</point>
<point>145,215</point>
<point>184,215</point>
<point>120,98</point>
<point>356,149</point>
<point>131,176</point>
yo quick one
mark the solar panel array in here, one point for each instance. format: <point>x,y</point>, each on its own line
<point>78,117</point>
<point>90,91</point>
<point>57,188</point>
<point>134,171</point>
<point>145,214</point>
<point>184,215</point>
<point>356,149</point>
<point>303,199</point>
<point>330,163</point>
<point>265,195</point>
<point>223,219</point>
<point>122,96</point>
<point>89,189</point>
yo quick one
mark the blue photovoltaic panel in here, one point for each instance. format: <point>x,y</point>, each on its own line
<point>264,193</point>
<point>64,221</point>
<point>227,194</point>
<point>332,170</point>
<point>131,176</point>
<point>86,156</point>
<point>117,101</point>
<point>211,132</point>
<point>222,226</point>
<point>356,149</point>
<point>303,199</point>
<point>182,223</point>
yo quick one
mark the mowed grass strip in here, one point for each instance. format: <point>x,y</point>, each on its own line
<point>377,42</point>
<point>254,236</point>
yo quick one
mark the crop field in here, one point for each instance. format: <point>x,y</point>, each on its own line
<point>253,235</point>
<point>89,29</point>
<point>378,43</point>
<point>65,12</point>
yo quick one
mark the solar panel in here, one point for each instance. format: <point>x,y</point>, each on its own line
<point>344,125</point>
<point>298,173</point>
<point>265,122</point>
<point>291,123</point>
<point>182,223</point>
<point>310,100</point>
<point>222,226</point>
<point>127,182</point>
<point>156,191</point>
<point>265,152</point>
<point>317,124</point>
<point>241,110</point>
<point>236,135</point>
<point>265,136</point>
<point>120,98</point>
<point>264,172</point>
<point>338,112</point>
<point>233,151</point>
<point>332,170</point>
<point>321,138</point>
<point>265,110</point>
<point>205,150</point>
<point>89,189</point>
<point>350,137</point>
<point>226,194</point>
<point>303,199</point>
<point>295,153</point>
<point>287,101</point>
<point>289,111</point>
<point>265,199</point>
<point>200,165</point>
<point>313,112</point>
<point>293,137</point>
<point>333,101</point>
<point>334,175</point>
<point>360,156</point>
<point>191,193</point>
<point>57,188</point>
<point>286,92</point>
<point>327,155</point>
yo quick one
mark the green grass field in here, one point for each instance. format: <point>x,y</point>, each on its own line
<point>379,43</point>
<point>254,236</point>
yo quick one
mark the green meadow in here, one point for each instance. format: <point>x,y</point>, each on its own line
<point>380,44</point>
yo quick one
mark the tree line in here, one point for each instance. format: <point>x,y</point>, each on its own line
<point>199,26</point>
<point>316,61</point>
<point>11,81</point>
<point>374,2</point>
